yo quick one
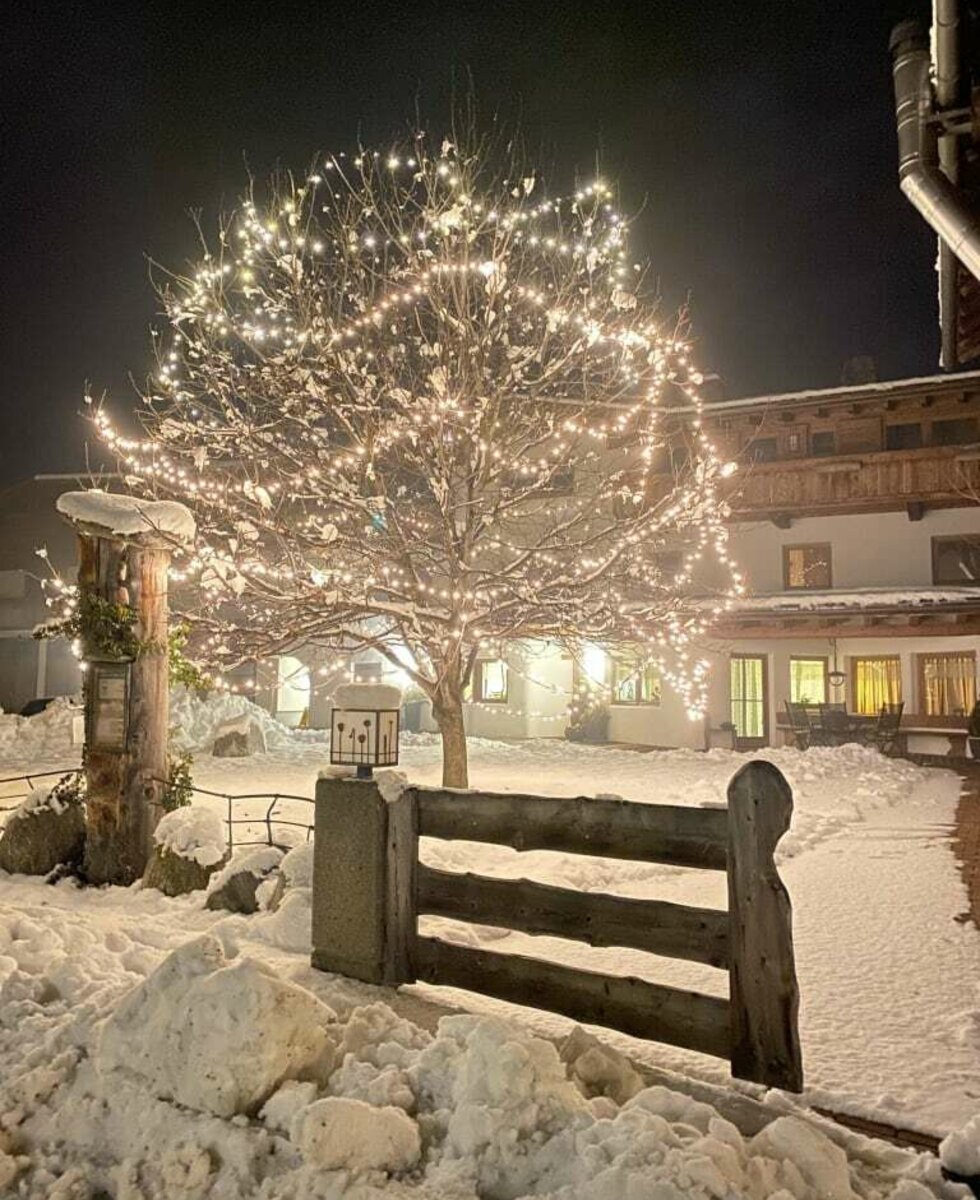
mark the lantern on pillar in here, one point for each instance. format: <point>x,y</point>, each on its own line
<point>364,725</point>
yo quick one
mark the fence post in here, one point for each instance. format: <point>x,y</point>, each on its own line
<point>764,992</point>
<point>365,849</point>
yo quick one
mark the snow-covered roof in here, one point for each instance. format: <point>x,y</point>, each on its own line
<point>128,515</point>
<point>862,598</point>
<point>880,388</point>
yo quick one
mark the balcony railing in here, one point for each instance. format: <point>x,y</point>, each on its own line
<point>892,479</point>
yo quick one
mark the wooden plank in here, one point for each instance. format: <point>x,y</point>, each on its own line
<point>685,837</point>
<point>673,930</point>
<point>633,1006</point>
<point>764,992</point>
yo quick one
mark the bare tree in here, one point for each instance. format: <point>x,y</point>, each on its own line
<point>418,404</point>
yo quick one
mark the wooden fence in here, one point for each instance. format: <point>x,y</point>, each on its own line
<point>369,890</point>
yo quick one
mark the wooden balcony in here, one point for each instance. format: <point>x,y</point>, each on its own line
<point>883,481</point>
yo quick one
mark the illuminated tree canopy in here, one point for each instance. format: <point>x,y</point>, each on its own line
<point>419,404</point>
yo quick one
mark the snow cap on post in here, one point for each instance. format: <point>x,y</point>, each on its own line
<point>128,517</point>
<point>375,696</point>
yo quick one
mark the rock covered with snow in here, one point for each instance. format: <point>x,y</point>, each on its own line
<point>238,738</point>
<point>46,830</point>
<point>128,516</point>
<point>189,845</point>
<point>196,721</point>
<point>234,887</point>
<point>374,696</point>
<point>338,1134</point>
<point>217,1035</point>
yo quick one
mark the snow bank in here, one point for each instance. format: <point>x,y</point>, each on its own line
<point>46,737</point>
<point>194,833</point>
<point>196,720</point>
<point>128,515</point>
<point>960,1152</point>
<point>216,1035</point>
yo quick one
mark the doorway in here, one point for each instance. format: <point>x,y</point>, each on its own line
<point>749,692</point>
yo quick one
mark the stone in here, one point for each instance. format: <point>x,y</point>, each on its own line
<point>175,875</point>
<point>238,738</point>
<point>37,840</point>
<point>215,1034</point>
<point>234,889</point>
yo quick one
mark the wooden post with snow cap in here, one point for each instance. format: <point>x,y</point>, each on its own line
<point>125,546</point>
<point>763,988</point>
<point>365,852</point>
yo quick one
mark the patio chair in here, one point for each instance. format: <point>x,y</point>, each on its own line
<point>886,728</point>
<point>835,724</point>
<point>799,723</point>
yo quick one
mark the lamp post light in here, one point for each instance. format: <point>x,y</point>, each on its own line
<point>364,727</point>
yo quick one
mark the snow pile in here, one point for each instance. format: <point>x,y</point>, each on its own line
<point>40,800</point>
<point>196,720</point>
<point>120,1045</point>
<point>377,696</point>
<point>128,515</point>
<point>194,833</point>
<point>960,1151</point>
<point>216,1036</point>
<point>259,861</point>
<point>45,737</point>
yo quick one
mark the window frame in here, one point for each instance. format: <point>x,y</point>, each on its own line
<point>751,742</point>
<point>824,660</point>
<point>853,671</point>
<point>616,661</point>
<point>477,683</point>
<point>920,676</point>
<point>945,539</point>
<point>808,587</point>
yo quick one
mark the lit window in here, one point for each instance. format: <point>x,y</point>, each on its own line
<point>806,566</point>
<point>491,681</point>
<point>877,683</point>
<point>808,680</point>
<point>947,684</point>
<point>634,683</point>
<point>956,560</point>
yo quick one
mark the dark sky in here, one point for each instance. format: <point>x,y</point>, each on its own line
<point>759,134</point>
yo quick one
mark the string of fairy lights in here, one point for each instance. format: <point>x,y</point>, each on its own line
<point>368,392</point>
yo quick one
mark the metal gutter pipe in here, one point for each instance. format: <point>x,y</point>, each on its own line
<point>920,177</point>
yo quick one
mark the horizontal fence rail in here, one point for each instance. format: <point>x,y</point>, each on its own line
<point>30,782</point>
<point>369,890</point>
<point>270,818</point>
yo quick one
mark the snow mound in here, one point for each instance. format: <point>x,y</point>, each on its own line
<point>960,1151</point>
<point>193,832</point>
<point>46,736</point>
<point>337,1134</point>
<point>216,1035</point>
<point>128,515</point>
<point>259,861</point>
<point>196,720</point>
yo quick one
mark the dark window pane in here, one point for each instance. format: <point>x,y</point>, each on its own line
<point>956,560</point>
<point>958,432</point>
<point>763,450</point>
<point>823,442</point>
<point>903,437</point>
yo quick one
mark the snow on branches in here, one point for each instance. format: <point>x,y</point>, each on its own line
<point>417,404</point>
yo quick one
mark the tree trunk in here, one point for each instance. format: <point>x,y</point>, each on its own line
<point>447,708</point>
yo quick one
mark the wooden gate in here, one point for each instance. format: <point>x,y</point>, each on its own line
<point>369,889</point>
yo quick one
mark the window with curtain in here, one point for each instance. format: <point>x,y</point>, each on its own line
<point>634,683</point>
<point>876,682</point>
<point>490,682</point>
<point>947,684</point>
<point>748,696</point>
<point>807,566</point>
<point>956,560</point>
<point>808,680</point>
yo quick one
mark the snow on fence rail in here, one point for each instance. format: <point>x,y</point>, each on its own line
<point>26,784</point>
<point>369,890</point>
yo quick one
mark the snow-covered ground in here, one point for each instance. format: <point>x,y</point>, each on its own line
<point>889,976</point>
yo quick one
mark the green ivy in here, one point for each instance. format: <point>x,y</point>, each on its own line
<point>180,787</point>
<point>104,628</point>
<point>182,669</point>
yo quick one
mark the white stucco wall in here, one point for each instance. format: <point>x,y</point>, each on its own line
<point>867,550</point>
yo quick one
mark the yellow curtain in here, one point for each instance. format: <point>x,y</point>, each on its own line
<point>949,683</point>
<point>877,681</point>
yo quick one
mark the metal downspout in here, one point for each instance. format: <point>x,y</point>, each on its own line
<point>920,177</point>
<point>947,84</point>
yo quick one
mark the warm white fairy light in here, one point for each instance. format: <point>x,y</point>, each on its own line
<point>417,407</point>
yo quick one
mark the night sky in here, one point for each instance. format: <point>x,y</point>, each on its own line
<point>758,139</point>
